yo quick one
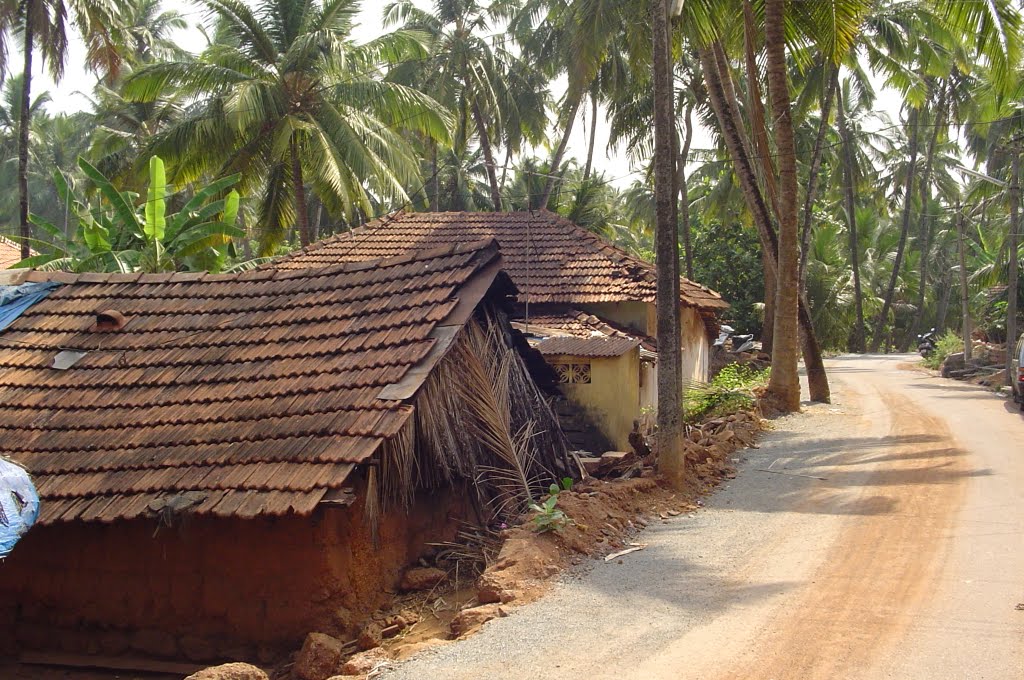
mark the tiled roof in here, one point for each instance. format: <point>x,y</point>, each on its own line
<point>549,258</point>
<point>236,394</point>
<point>596,346</point>
<point>568,321</point>
<point>10,252</point>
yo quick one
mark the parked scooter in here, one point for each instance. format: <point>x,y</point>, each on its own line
<point>926,343</point>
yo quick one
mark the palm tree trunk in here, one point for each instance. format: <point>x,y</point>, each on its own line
<point>877,334</point>
<point>728,121</point>
<point>671,454</point>
<point>593,134</point>
<point>435,185</point>
<point>946,285</point>
<point>1014,262</point>
<point>572,108</point>
<point>755,104</point>
<point>485,146</point>
<point>965,299</point>
<point>23,129</point>
<point>857,340</point>
<point>784,383</point>
<point>812,175</point>
<point>769,264</point>
<point>301,217</point>
<point>684,191</point>
<point>504,167</point>
<point>925,222</point>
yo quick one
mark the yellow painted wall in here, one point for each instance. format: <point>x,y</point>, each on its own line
<point>641,317</point>
<point>612,398</point>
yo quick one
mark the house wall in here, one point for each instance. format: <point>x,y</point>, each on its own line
<point>635,315</point>
<point>641,317</point>
<point>212,587</point>
<point>612,398</point>
<point>696,349</point>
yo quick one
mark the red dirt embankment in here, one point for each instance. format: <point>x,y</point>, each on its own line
<point>604,517</point>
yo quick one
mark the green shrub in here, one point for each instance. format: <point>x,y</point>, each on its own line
<point>948,343</point>
<point>730,391</point>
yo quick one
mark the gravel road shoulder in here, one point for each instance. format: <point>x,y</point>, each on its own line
<point>719,570</point>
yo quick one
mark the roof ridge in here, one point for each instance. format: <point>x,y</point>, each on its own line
<point>457,248</point>
<point>623,255</point>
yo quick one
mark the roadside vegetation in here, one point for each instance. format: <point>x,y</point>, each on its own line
<point>948,343</point>
<point>733,389</point>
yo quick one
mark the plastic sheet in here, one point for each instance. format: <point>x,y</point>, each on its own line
<point>19,505</point>
<point>14,300</point>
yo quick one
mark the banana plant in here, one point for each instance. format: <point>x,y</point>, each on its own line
<point>117,235</point>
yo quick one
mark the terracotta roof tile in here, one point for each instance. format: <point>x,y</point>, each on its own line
<point>573,322</point>
<point>550,259</point>
<point>597,346</point>
<point>240,394</point>
<point>10,252</point>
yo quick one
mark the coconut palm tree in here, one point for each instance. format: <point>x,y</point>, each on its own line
<point>286,99</point>
<point>488,87</point>
<point>43,25</point>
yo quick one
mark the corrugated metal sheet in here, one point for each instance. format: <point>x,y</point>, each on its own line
<point>550,259</point>
<point>255,393</point>
<point>597,346</point>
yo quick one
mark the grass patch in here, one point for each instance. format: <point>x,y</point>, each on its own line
<point>730,391</point>
<point>948,343</point>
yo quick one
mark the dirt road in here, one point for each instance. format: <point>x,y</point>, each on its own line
<point>879,537</point>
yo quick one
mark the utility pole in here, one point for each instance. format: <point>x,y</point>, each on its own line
<point>964,298</point>
<point>1011,291</point>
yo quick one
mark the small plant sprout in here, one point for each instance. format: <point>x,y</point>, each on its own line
<point>547,516</point>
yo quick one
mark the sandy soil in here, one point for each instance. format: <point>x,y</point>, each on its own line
<point>878,537</point>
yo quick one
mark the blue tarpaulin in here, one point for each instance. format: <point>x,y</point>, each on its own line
<point>16,299</point>
<point>19,505</point>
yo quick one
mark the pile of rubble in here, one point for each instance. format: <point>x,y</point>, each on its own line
<point>987,365</point>
<point>716,439</point>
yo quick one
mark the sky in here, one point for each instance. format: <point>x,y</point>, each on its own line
<point>70,94</point>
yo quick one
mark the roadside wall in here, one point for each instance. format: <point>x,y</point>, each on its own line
<point>211,588</point>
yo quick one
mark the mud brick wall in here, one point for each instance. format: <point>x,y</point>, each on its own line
<point>209,588</point>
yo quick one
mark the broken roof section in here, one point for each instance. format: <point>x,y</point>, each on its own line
<point>549,258</point>
<point>232,394</point>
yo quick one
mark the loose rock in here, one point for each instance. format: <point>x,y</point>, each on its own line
<point>319,658</point>
<point>470,619</point>
<point>230,671</point>
<point>422,578</point>
<point>364,662</point>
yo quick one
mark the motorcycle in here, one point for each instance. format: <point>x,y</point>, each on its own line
<point>926,343</point>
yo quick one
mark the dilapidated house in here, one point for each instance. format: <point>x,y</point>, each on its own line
<point>571,283</point>
<point>228,462</point>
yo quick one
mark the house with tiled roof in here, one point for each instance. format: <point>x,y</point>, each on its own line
<point>10,252</point>
<point>228,462</point>
<point>571,283</point>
